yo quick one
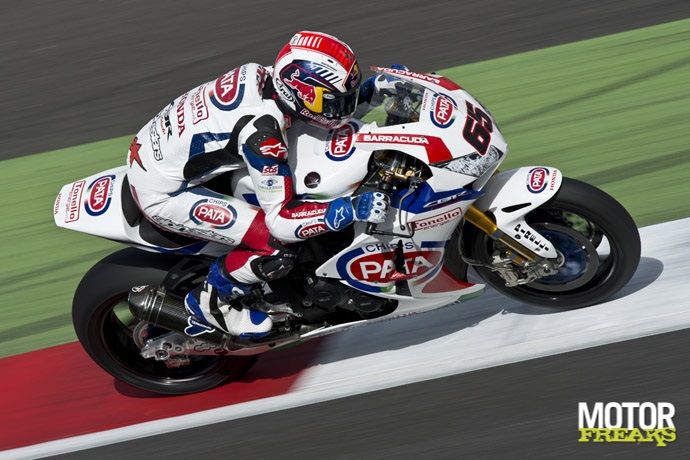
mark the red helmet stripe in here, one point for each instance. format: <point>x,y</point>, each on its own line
<point>283,52</point>
<point>327,45</point>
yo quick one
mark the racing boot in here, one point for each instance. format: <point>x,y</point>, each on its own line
<point>216,302</point>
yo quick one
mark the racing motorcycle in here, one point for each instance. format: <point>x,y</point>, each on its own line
<point>530,233</point>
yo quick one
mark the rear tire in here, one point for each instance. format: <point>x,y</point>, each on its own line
<point>104,327</point>
<point>597,236</point>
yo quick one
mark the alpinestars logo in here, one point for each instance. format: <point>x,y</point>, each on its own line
<point>274,148</point>
<point>134,156</point>
<point>196,328</point>
<point>627,422</point>
<point>339,217</point>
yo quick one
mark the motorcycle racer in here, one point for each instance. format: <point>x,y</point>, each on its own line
<point>240,120</point>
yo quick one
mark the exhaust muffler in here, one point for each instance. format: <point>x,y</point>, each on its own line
<point>156,307</point>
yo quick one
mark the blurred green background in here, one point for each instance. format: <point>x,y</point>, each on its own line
<point>612,111</point>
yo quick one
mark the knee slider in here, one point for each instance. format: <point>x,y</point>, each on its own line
<point>269,268</point>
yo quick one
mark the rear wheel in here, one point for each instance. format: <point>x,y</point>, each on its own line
<point>106,328</point>
<point>596,236</point>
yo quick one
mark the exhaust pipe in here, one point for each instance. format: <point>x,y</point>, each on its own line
<point>154,306</point>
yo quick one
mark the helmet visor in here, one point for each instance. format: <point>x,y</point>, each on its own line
<point>339,106</point>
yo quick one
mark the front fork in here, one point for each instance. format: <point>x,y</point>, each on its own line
<point>518,264</point>
<point>519,254</point>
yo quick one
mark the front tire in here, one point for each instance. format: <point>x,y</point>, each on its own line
<point>104,326</point>
<point>596,235</point>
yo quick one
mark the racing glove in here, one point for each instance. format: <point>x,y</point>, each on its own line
<point>367,207</point>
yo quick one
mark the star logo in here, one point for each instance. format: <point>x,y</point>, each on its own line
<point>134,154</point>
<point>339,217</point>
<point>196,328</point>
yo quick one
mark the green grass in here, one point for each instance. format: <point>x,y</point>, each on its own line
<point>42,264</point>
<point>613,111</point>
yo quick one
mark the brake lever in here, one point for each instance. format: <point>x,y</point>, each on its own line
<point>371,230</point>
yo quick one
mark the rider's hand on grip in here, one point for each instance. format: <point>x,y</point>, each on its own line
<point>371,207</point>
<point>366,91</point>
<point>368,207</point>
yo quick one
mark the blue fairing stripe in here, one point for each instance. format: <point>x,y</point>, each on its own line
<point>434,244</point>
<point>426,199</point>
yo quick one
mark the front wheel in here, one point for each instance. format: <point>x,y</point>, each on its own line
<point>106,328</point>
<point>596,236</point>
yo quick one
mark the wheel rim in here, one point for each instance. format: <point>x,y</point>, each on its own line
<point>589,257</point>
<point>117,334</point>
<point>581,260</point>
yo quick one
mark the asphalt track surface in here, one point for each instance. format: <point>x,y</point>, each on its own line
<point>79,71</point>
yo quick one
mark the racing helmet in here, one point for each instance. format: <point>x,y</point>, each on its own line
<point>317,79</point>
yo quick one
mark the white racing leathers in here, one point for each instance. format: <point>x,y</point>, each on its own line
<point>227,124</point>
